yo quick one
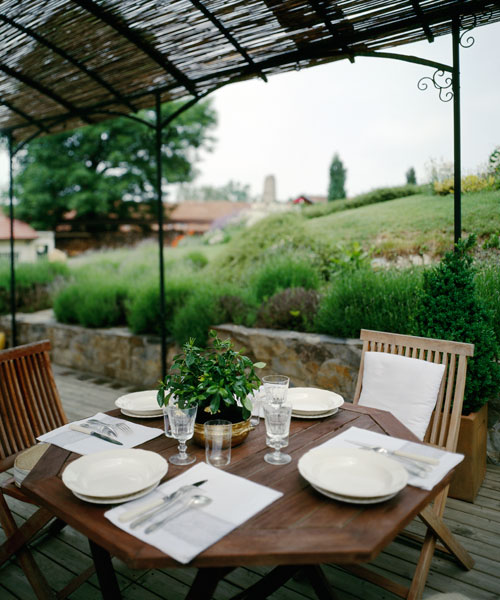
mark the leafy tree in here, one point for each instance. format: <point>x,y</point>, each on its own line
<point>105,168</point>
<point>411,177</point>
<point>338,175</point>
<point>450,309</point>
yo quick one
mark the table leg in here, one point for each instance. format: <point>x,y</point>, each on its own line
<point>206,581</point>
<point>105,572</point>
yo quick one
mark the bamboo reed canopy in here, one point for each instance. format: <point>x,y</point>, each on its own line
<point>67,63</point>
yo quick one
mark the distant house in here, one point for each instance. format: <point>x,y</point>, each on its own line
<point>199,217</point>
<point>303,199</point>
<point>29,245</point>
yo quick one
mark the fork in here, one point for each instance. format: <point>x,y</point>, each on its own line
<point>122,426</point>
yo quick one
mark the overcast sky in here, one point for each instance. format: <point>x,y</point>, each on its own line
<point>370,112</point>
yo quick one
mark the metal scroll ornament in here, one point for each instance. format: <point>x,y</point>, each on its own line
<point>441,82</point>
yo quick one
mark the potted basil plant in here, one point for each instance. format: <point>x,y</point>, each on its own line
<point>219,379</point>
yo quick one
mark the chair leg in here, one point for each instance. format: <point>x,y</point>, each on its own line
<point>22,535</point>
<point>34,575</point>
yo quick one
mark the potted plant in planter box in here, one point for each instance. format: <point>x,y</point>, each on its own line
<point>450,309</point>
<point>218,379</point>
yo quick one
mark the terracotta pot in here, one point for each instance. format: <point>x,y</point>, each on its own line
<point>239,433</point>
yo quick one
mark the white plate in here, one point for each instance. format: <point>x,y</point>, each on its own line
<point>139,402</point>
<point>315,416</point>
<point>117,499</point>
<point>353,500</point>
<point>114,473</point>
<point>313,400</point>
<point>352,472</point>
<point>139,415</point>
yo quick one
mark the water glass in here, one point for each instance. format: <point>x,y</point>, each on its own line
<point>277,417</point>
<point>275,388</point>
<point>181,422</point>
<point>218,435</point>
<point>256,407</point>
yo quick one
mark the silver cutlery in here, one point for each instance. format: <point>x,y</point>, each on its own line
<point>417,457</point>
<point>411,467</point>
<point>101,436</point>
<point>194,501</point>
<point>100,427</point>
<point>145,512</point>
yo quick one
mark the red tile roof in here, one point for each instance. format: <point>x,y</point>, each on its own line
<point>22,231</point>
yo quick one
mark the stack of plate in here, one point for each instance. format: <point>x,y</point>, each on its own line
<point>352,475</point>
<point>141,405</point>
<point>25,461</point>
<point>114,476</point>
<point>313,403</point>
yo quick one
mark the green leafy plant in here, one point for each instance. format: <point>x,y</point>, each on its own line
<point>294,308</point>
<point>450,309</point>
<point>218,379</point>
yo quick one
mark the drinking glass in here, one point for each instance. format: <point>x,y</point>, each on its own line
<point>277,417</point>
<point>275,388</point>
<point>256,404</point>
<point>181,422</point>
<point>218,435</point>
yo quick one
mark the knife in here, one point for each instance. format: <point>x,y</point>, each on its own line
<point>417,457</point>
<point>101,436</point>
<point>155,507</point>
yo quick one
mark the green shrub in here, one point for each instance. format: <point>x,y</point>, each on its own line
<point>488,289</point>
<point>470,183</point>
<point>294,308</point>
<point>197,315</point>
<point>96,301</point>
<point>143,305</point>
<point>450,309</point>
<point>373,197</point>
<point>282,272</point>
<point>197,260</point>
<point>381,300</point>
<point>36,284</point>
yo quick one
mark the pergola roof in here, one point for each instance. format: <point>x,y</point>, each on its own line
<point>66,63</point>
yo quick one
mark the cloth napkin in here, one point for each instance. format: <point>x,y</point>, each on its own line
<point>82,443</point>
<point>234,501</point>
<point>447,460</point>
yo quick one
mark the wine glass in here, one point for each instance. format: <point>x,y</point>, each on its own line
<point>182,427</point>
<point>277,417</point>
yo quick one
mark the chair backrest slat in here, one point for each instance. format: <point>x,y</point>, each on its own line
<point>29,401</point>
<point>445,421</point>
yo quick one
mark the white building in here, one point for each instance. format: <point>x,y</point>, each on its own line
<point>29,245</point>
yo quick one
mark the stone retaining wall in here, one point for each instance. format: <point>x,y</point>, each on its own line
<point>308,359</point>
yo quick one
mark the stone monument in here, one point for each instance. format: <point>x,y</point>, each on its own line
<point>269,193</point>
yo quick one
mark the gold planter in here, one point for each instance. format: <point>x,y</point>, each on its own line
<point>240,432</point>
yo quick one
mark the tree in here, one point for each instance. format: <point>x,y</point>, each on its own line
<point>338,175</point>
<point>411,177</point>
<point>106,168</point>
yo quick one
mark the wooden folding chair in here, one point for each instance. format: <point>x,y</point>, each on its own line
<point>442,432</point>
<point>29,406</point>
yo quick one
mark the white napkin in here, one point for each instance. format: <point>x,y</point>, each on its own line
<point>81,443</point>
<point>447,460</point>
<point>234,501</point>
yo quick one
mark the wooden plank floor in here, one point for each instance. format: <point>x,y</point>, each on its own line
<point>61,556</point>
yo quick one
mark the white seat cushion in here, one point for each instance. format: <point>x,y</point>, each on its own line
<point>406,387</point>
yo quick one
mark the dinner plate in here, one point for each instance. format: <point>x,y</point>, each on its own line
<point>352,472</point>
<point>315,416</point>
<point>314,401</point>
<point>139,415</point>
<point>139,402</point>
<point>353,499</point>
<point>116,499</point>
<point>114,473</point>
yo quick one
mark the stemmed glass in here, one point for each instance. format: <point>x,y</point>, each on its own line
<point>277,417</point>
<point>182,427</point>
<point>275,388</point>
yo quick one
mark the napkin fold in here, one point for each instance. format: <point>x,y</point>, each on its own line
<point>234,501</point>
<point>447,460</point>
<point>82,443</point>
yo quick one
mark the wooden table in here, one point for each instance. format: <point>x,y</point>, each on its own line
<point>301,528</point>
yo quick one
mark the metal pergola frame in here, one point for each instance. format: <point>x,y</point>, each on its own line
<point>346,49</point>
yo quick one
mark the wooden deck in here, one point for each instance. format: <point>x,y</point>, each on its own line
<point>61,556</point>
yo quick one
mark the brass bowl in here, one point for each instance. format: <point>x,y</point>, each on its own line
<point>240,432</point>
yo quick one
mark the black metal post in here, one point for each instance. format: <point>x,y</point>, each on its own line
<point>159,198</point>
<point>456,130</point>
<point>12,256</point>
